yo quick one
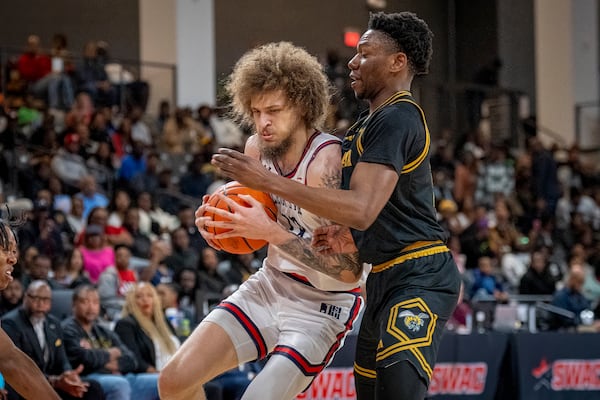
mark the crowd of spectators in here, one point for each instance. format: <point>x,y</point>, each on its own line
<point>522,222</point>
<point>107,193</point>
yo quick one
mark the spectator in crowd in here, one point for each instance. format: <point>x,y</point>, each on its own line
<point>132,163</point>
<point>154,221</point>
<point>147,180</point>
<point>92,78</point>
<point>538,280</point>
<point>164,113</point>
<point>241,267</point>
<point>211,280</point>
<point>169,294</point>
<point>181,134</point>
<point>475,240</point>
<point>90,195</point>
<point>486,284</point>
<point>114,234</point>
<point>226,133</point>
<point>157,272</point>
<point>140,131</point>
<point>68,164</point>
<point>496,176</point>
<point>571,298</point>
<point>465,177</point>
<point>145,330</point>
<point>189,282</point>
<point>76,274</point>
<point>39,270</point>
<point>97,253</point>
<point>102,353</point>
<point>195,182</point>
<point>114,283</point>
<point>39,335</point>
<point>119,204</point>
<point>41,231</point>
<point>545,186</point>
<point>24,264</point>
<point>183,255</point>
<point>11,297</point>
<point>121,140</point>
<point>46,76</point>
<point>141,246</point>
<point>75,217</point>
<point>187,221</point>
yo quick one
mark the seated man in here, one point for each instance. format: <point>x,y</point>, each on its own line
<point>114,282</point>
<point>38,334</point>
<point>571,298</point>
<point>102,353</point>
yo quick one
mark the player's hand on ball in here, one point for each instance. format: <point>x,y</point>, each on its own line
<point>201,221</point>
<point>249,221</point>
<point>333,239</point>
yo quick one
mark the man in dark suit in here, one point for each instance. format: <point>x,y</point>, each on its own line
<point>39,335</point>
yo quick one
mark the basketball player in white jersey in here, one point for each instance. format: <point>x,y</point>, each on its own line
<point>299,306</point>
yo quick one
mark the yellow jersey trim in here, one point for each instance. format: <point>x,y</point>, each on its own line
<point>415,250</point>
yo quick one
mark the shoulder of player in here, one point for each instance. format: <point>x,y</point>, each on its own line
<point>399,110</point>
<point>402,114</point>
<point>325,168</point>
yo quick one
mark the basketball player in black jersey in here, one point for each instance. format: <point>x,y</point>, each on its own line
<point>387,202</point>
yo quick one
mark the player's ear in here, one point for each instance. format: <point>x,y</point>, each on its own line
<point>398,62</point>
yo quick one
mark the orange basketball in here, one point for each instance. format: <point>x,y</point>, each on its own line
<point>232,190</point>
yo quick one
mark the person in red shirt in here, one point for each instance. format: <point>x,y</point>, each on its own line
<point>45,80</point>
<point>115,282</point>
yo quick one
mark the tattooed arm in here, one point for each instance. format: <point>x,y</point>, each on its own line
<point>338,257</point>
<point>344,267</point>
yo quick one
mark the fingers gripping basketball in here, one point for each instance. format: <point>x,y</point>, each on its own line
<point>232,190</point>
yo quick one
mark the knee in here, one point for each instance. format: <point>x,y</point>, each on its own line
<point>167,384</point>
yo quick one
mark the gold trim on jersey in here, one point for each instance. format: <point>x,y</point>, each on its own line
<point>394,99</point>
<point>411,166</point>
<point>415,250</point>
<point>367,373</point>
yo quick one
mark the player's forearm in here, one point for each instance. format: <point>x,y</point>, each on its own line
<point>343,267</point>
<point>24,376</point>
<point>336,205</point>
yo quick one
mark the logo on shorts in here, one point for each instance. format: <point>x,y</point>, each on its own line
<point>331,310</point>
<point>412,321</point>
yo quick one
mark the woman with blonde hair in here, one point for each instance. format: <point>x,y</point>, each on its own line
<point>145,330</point>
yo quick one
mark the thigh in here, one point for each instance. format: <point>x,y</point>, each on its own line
<point>400,381</point>
<point>207,353</point>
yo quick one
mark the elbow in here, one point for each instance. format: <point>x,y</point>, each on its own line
<point>363,220</point>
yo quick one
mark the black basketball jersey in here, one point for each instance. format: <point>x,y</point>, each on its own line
<point>395,134</point>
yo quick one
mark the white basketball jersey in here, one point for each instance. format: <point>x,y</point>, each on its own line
<point>301,222</point>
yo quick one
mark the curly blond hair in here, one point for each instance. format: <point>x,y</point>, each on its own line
<point>282,66</point>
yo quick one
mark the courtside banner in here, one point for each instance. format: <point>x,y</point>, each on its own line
<point>468,366</point>
<point>558,366</point>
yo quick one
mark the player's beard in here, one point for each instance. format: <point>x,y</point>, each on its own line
<point>275,152</point>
